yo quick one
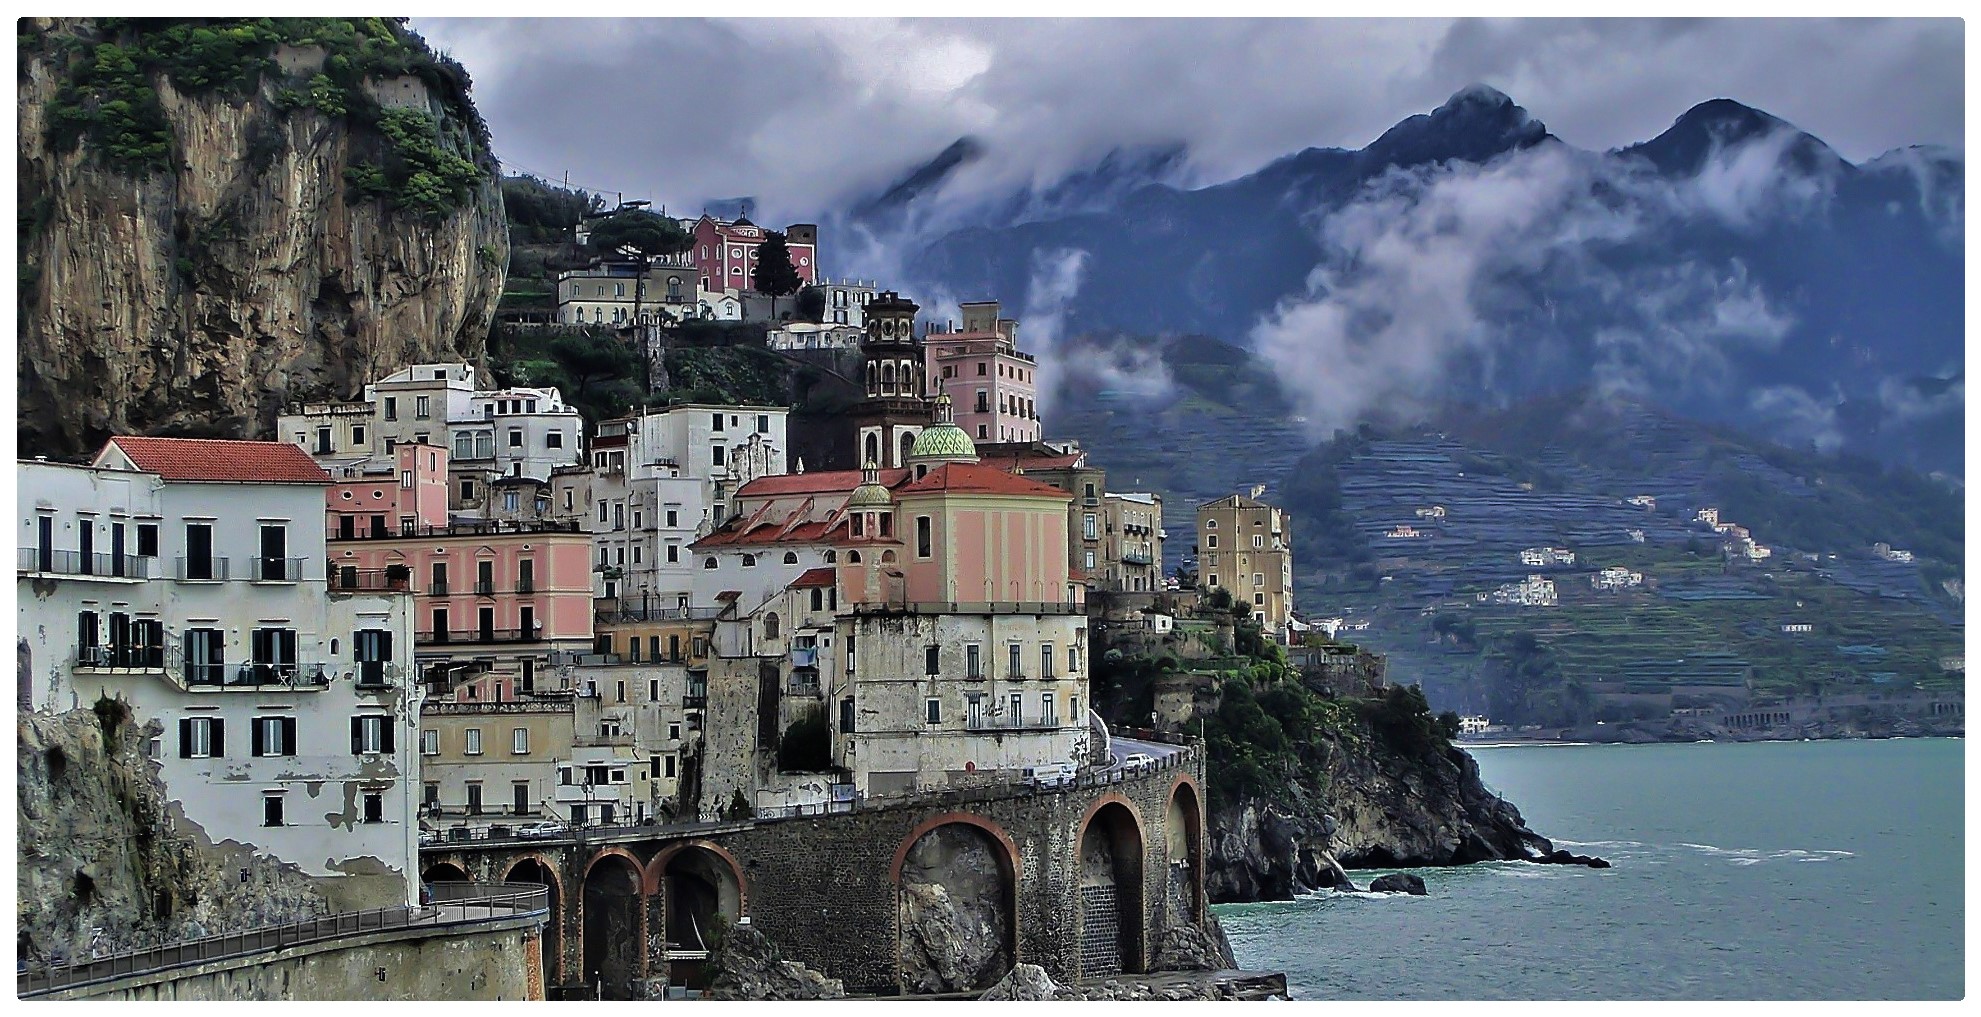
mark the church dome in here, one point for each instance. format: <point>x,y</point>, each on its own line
<point>871,492</point>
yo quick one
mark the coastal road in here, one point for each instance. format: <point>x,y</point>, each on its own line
<point>1122,748</point>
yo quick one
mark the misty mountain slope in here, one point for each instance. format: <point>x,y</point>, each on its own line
<point>1733,268</point>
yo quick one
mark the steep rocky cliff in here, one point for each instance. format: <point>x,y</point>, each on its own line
<point>101,865</point>
<point>1377,801</point>
<point>221,219</point>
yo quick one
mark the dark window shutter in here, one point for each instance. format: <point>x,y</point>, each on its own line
<point>385,727</point>
<point>357,735</point>
<point>219,729</point>
<point>385,644</point>
<point>289,736</point>
<point>258,647</point>
<point>257,745</point>
<point>185,738</point>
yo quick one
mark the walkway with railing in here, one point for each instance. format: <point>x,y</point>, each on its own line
<point>450,905</point>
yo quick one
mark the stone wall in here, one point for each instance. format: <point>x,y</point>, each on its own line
<point>498,961</point>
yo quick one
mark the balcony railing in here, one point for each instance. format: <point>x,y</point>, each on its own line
<point>805,656</point>
<point>436,589</point>
<point>638,613</point>
<point>127,659</point>
<point>974,607</point>
<point>691,700</point>
<point>258,675</point>
<point>479,636</point>
<point>75,563</point>
<point>1006,723</point>
<point>1136,557</point>
<point>486,528</point>
<point>526,586</point>
<point>807,689</point>
<point>484,588</point>
<point>276,570</point>
<point>347,579</point>
<point>206,569</point>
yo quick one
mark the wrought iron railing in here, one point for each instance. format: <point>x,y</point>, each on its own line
<point>349,579</point>
<point>101,565</point>
<point>447,905</point>
<point>202,569</point>
<point>973,607</point>
<point>276,570</point>
<point>436,638</point>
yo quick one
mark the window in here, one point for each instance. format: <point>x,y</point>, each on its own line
<point>1090,560</point>
<point>430,794</point>
<point>1017,709</point>
<point>1258,579</point>
<point>708,563</point>
<point>749,561</point>
<point>1072,659</point>
<point>673,552</point>
<point>983,431</point>
<point>272,736</point>
<point>473,736</point>
<point>420,409</point>
<point>515,437</point>
<point>973,661</point>
<point>850,640</point>
<point>521,789</point>
<point>1258,600</point>
<point>474,798</point>
<point>934,661</point>
<point>1211,541</point>
<point>147,540</point>
<point>1048,713</point>
<point>357,434</point>
<point>602,510</point>
<point>715,453</point>
<point>1090,527</point>
<point>374,806</point>
<point>271,809</point>
<point>1073,709</point>
<point>1017,666</point>
<point>371,733</point>
<point>1258,541</point>
<point>202,738</point>
<point>1045,660</point>
<point>1211,580</point>
<point>981,372</point>
<point>935,711</point>
<point>553,439</point>
<point>274,654</point>
<point>672,518</point>
<point>391,408</point>
<point>429,743</point>
<point>622,685</point>
<point>467,490</point>
<point>519,741</point>
<point>922,535</point>
<point>1210,524</point>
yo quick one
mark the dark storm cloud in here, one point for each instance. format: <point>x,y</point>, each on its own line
<point>807,115</point>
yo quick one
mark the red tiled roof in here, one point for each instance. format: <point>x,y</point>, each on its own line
<point>728,595</point>
<point>974,478</point>
<point>770,533</point>
<point>215,460</point>
<point>821,576</point>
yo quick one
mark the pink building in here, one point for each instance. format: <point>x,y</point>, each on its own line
<point>726,252</point>
<point>993,385</point>
<point>488,597</point>
<point>409,494</point>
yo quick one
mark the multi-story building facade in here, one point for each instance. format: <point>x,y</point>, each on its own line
<point>803,335</point>
<point>1244,547</point>
<point>1065,466</point>
<point>489,434</point>
<point>725,251</point>
<point>1132,552</point>
<point>663,291</point>
<point>959,637</point>
<point>392,494</point>
<point>494,761</point>
<point>490,597</point>
<point>185,577</point>
<point>994,385</point>
<point>662,479</point>
<point>846,301</point>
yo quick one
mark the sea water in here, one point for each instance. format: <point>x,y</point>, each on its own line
<point>1764,870</point>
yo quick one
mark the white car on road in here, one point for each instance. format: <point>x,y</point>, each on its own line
<point>1137,760</point>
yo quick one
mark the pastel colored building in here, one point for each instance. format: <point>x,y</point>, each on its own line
<point>994,385</point>
<point>725,251</point>
<point>1244,547</point>
<point>185,577</point>
<point>402,493</point>
<point>489,597</point>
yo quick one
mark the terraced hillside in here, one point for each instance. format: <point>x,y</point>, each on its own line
<point>1412,533</point>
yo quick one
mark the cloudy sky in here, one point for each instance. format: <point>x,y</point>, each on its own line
<point>809,115</point>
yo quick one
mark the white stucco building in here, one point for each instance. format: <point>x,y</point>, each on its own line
<point>186,577</point>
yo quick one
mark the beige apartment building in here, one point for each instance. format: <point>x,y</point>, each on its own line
<point>1132,523</point>
<point>1243,547</point>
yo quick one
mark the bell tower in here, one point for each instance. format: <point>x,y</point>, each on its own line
<point>896,408</point>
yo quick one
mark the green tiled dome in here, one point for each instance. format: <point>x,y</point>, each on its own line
<point>943,441</point>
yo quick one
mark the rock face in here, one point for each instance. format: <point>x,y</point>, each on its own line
<point>200,299</point>
<point>102,868</point>
<point>751,967</point>
<point>1188,948</point>
<point>1027,983</point>
<point>955,915</point>
<point>1383,806</point>
<point>1400,882</point>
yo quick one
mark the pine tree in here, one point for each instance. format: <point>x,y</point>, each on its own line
<point>774,276</point>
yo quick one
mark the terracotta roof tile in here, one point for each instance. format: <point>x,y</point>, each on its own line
<point>816,482</point>
<point>973,478</point>
<point>821,576</point>
<point>218,461</point>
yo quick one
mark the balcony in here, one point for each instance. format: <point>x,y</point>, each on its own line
<point>808,690</point>
<point>474,529</point>
<point>436,589</point>
<point>484,588</point>
<point>973,607</point>
<point>1005,723</point>
<point>349,579</point>
<point>256,676</point>
<point>641,613</point>
<point>127,659</point>
<point>207,569</point>
<point>275,570</point>
<point>478,636</point>
<point>805,657</point>
<point>617,740</point>
<point>50,562</point>
<point>1136,557</point>
<point>526,586</point>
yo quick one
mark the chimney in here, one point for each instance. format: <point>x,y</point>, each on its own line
<point>1257,490</point>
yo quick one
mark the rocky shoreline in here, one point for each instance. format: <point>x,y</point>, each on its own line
<point>1680,732</point>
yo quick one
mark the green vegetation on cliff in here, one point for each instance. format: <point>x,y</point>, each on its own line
<point>113,68</point>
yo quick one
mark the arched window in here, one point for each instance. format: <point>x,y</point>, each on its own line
<point>907,446</point>
<point>790,557</point>
<point>749,561</point>
<point>770,625</point>
<point>708,563</point>
<point>831,556</point>
<point>887,557</point>
<point>873,450</point>
<point>853,557</point>
<point>1210,524</point>
<point>887,377</point>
